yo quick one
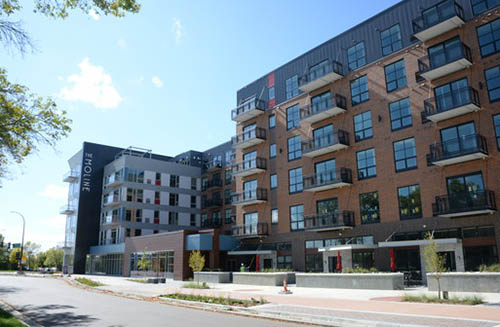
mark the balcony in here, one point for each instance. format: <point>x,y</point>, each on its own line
<point>213,165</point>
<point>330,107</point>
<point>71,177</point>
<point>328,143</point>
<point>211,223</point>
<point>328,180</point>
<point>67,209</point>
<point>210,203</point>
<point>112,200</point>
<point>111,220</point>
<point>465,204</point>
<point>248,110</point>
<point>337,220</point>
<point>470,147</point>
<point>250,231</point>
<point>115,181</point>
<point>453,104</point>
<point>244,198</point>
<point>445,62</point>
<point>214,183</point>
<point>320,76</point>
<point>438,19</point>
<point>249,167</point>
<point>249,138</point>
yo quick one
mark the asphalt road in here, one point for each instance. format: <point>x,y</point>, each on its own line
<point>52,302</point>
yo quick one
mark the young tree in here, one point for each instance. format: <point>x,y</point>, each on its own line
<point>13,257</point>
<point>196,262</point>
<point>144,263</point>
<point>40,259</point>
<point>434,263</point>
<point>54,258</point>
<point>30,251</point>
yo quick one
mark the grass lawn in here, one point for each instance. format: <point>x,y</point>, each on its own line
<point>88,282</point>
<point>214,299</point>
<point>142,281</point>
<point>7,320</point>
<point>468,300</point>
<point>196,285</point>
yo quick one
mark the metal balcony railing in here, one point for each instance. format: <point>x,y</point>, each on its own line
<point>213,165</point>
<point>249,137</point>
<point>111,220</point>
<point>462,146</point>
<point>67,209</point>
<point>320,71</point>
<point>248,197</point>
<point>211,223</point>
<point>323,107</point>
<point>331,177</point>
<point>71,176</point>
<point>437,14</point>
<point>341,137</point>
<point>329,221</point>
<point>460,204</point>
<point>444,57</point>
<point>249,166</point>
<point>247,107</point>
<point>455,99</point>
<point>211,184</point>
<point>208,203</point>
<point>250,230</point>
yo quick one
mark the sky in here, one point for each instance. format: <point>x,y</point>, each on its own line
<point>164,79</point>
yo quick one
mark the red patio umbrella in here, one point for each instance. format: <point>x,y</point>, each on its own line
<point>339,261</point>
<point>257,263</point>
<point>393,260</point>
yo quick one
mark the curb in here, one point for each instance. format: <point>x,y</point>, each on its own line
<point>19,315</point>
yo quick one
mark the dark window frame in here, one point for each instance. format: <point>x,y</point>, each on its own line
<point>409,217</point>
<point>294,90</point>
<point>494,42</point>
<point>272,118</point>
<point>487,86</point>
<point>297,222</point>
<point>405,159</point>
<point>392,43</point>
<point>363,210</point>
<point>497,132</point>
<point>366,167</point>
<point>401,118</point>
<point>364,129</point>
<point>295,184</point>
<point>271,181</point>
<point>292,119</point>
<point>297,153</point>
<point>401,82</point>
<point>474,3</point>
<point>358,88</point>
<point>357,59</point>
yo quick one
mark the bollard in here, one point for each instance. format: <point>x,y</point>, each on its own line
<point>285,288</point>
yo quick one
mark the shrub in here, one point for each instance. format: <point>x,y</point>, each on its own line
<point>492,268</point>
<point>214,299</point>
<point>276,270</point>
<point>360,270</point>
<point>196,285</point>
<point>469,300</point>
<point>88,282</point>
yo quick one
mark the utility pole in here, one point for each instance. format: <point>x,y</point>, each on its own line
<point>22,242</point>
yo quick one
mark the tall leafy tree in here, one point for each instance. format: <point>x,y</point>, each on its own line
<point>54,258</point>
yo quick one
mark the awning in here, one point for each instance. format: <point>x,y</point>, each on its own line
<point>396,244</point>
<point>254,252</point>
<point>348,247</point>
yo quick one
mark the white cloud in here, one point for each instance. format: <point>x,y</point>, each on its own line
<point>94,14</point>
<point>157,81</point>
<point>92,85</point>
<point>121,43</point>
<point>60,78</point>
<point>177,29</point>
<point>56,221</point>
<point>52,191</point>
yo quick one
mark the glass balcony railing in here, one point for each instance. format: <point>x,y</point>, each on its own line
<point>458,150</point>
<point>326,108</point>
<point>325,144</point>
<point>213,165</point>
<point>211,223</point>
<point>211,184</point>
<point>464,204</point>
<point>67,209</point>
<point>71,176</point>
<point>209,203</point>
<point>248,110</point>
<point>250,197</point>
<point>111,220</point>
<point>438,19</point>
<point>452,104</point>
<point>321,75</point>
<point>111,199</point>
<point>249,138</point>
<point>249,167</point>
<point>329,221</point>
<point>250,230</point>
<point>445,61</point>
<point>325,180</point>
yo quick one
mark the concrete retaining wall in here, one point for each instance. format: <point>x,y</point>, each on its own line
<point>268,279</point>
<point>213,276</point>
<point>374,281</point>
<point>466,282</point>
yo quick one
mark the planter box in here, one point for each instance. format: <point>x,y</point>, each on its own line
<point>265,279</point>
<point>466,282</point>
<point>213,276</point>
<point>373,281</point>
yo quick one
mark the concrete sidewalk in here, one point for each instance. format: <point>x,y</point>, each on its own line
<point>369,307</point>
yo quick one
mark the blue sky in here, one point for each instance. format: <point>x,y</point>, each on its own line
<point>164,79</point>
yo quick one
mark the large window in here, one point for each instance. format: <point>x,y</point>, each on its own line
<point>362,259</point>
<point>173,218</point>
<point>295,180</point>
<point>292,87</point>
<point>284,262</point>
<point>292,117</point>
<point>228,213</point>
<point>400,114</point>
<point>410,205</point>
<point>452,94</point>
<point>464,189</point>
<point>274,181</point>
<point>492,77</point>
<point>323,136</point>
<point>272,150</point>
<point>359,90</point>
<point>489,37</point>
<point>297,217</point>
<point>228,175</point>
<point>366,164</point>
<point>363,126</point>
<point>458,138</point>
<point>227,196</point>
<point>325,171</point>
<point>173,199</point>
<point>405,154</point>
<point>272,121</point>
<point>391,40</point>
<point>328,206</point>
<point>356,56</point>
<point>445,52</point>
<point>274,216</point>
<point>479,6</point>
<point>294,148</point>
<point>174,181</point>
<point>369,208</point>
<point>395,75</point>
<point>321,102</point>
<point>496,124</point>
<point>314,262</point>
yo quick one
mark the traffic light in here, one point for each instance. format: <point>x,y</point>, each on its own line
<point>18,255</point>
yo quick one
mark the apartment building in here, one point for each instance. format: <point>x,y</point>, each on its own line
<point>360,146</point>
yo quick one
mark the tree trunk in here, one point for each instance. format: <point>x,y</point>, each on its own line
<point>439,288</point>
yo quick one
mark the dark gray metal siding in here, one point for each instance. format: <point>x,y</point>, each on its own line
<point>403,13</point>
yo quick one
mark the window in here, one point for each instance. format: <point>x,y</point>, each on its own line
<point>274,181</point>
<point>229,157</point>
<point>137,232</point>
<point>193,201</point>
<point>369,209</point>
<point>410,205</point>
<point>193,183</point>
<point>395,75</point>
<point>227,196</point>
<point>173,199</point>
<point>314,262</point>
<point>292,87</point>
<point>271,93</point>
<point>458,139</point>
<point>272,121</point>
<point>400,114</point>
<point>295,180</point>
<point>362,259</point>
<point>363,126</point>
<point>284,262</point>
<point>127,232</point>
<point>445,52</point>
<point>327,207</point>
<point>173,218</point>
<point>325,171</point>
<point>274,216</point>
<point>366,164</point>
<point>356,56</point>
<point>321,102</point>
<point>479,6</point>
<point>496,124</point>
<point>297,217</point>
<point>158,179</point>
<point>138,215</point>
<point>192,219</point>
<point>228,216</point>
<point>294,148</point>
<point>489,37</point>
<point>272,151</point>
<point>228,175</point>
<point>174,181</point>
<point>323,136</point>
<point>292,117</point>
<point>492,77</point>
<point>359,90</point>
<point>466,191</point>
<point>391,40</point>
<point>216,218</point>
<point>318,70</point>
<point>405,154</point>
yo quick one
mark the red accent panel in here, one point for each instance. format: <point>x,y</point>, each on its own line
<point>157,201</point>
<point>272,102</point>
<point>157,182</point>
<point>270,80</point>
<point>257,263</point>
<point>157,220</point>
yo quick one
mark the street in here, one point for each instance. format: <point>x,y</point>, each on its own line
<point>52,302</point>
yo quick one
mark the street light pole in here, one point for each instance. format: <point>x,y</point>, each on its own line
<point>22,242</point>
